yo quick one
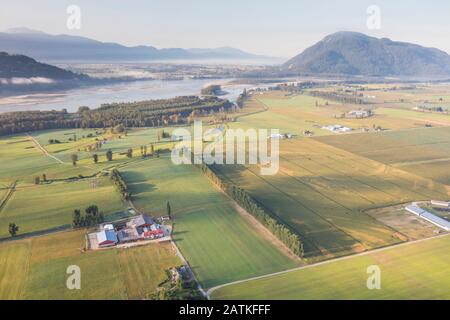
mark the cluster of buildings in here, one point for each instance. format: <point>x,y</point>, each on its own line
<point>428,216</point>
<point>141,227</point>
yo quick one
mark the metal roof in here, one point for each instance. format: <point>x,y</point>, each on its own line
<point>141,220</point>
<point>106,235</point>
<point>442,223</point>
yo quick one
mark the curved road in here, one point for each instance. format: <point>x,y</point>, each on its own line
<point>211,290</point>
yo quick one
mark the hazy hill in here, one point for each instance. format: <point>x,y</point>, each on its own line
<point>20,66</point>
<point>48,47</point>
<point>355,53</point>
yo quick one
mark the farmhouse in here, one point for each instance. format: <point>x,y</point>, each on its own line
<point>438,221</point>
<point>106,238</point>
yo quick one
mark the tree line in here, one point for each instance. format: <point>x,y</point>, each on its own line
<point>337,97</point>
<point>149,113</point>
<point>91,217</point>
<point>118,181</point>
<point>245,200</point>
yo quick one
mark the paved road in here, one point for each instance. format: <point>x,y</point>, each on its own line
<point>211,290</point>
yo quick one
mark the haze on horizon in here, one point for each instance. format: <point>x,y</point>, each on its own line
<point>277,28</point>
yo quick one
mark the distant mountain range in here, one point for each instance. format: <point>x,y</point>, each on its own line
<point>352,53</point>
<point>47,47</point>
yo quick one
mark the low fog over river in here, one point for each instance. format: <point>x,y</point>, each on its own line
<point>93,97</point>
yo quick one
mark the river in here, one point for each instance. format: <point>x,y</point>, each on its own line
<point>93,97</point>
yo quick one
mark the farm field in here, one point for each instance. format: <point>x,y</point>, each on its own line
<point>20,159</point>
<point>322,193</point>
<point>342,193</point>
<point>38,208</point>
<point>424,151</point>
<point>412,271</point>
<point>35,268</point>
<point>220,245</point>
<point>297,113</point>
<point>409,225</point>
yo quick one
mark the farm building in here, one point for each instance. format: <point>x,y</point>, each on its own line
<point>106,238</point>
<point>444,204</point>
<point>276,136</point>
<point>337,128</point>
<point>108,226</point>
<point>140,221</point>
<point>359,113</point>
<point>438,221</point>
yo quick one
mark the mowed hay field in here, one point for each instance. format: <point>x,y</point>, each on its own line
<point>412,271</point>
<point>21,159</point>
<point>41,207</point>
<point>424,151</point>
<point>219,244</point>
<point>35,268</point>
<point>321,192</point>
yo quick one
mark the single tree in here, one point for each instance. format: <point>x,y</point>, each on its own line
<point>76,220</point>
<point>169,209</point>
<point>44,177</point>
<point>109,155</point>
<point>13,228</point>
<point>130,153</point>
<point>95,156</point>
<point>74,158</point>
<point>37,180</point>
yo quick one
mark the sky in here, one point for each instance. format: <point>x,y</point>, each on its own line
<point>281,28</point>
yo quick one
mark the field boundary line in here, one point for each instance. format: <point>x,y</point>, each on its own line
<point>8,195</point>
<point>43,149</point>
<point>265,108</point>
<point>178,253</point>
<point>211,290</point>
<point>186,263</point>
<point>256,224</point>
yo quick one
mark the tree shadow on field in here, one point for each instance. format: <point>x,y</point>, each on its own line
<point>133,177</point>
<point>176,233</point>
<point>143,187</point>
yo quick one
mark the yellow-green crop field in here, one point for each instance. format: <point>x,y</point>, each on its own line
<point>36,268</point>
<point>413,271</point>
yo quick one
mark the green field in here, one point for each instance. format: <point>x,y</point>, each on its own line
<point>424,151</point>
<point>36,269</point>
<point>413,271</point>
<point>296,113</point>
<point>37,208</point>
<point>220,245</point>
<point>21,159</point>
<point>322,193</point>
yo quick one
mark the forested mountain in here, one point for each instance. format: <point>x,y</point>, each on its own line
<point>355,53</point>
<point>20,66</point>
